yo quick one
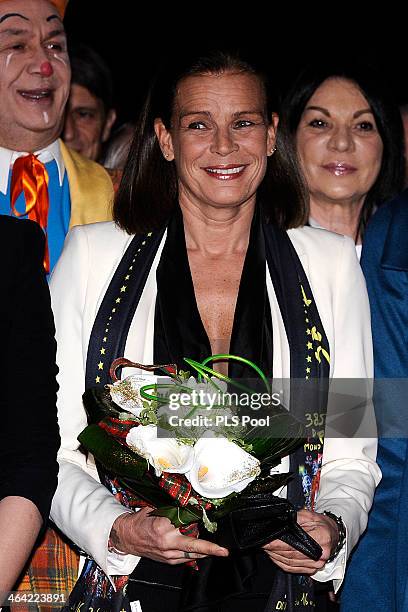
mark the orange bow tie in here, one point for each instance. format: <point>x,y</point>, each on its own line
<point>31,177</point>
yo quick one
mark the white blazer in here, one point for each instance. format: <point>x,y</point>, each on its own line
<point>83,508</point>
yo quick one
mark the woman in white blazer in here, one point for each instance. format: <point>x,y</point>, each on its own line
<point>208,255</point>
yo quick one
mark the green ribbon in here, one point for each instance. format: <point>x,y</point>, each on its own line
<point>206,373</point>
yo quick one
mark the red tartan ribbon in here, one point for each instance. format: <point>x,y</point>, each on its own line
<point>117,428</point>
<point>177,486</point>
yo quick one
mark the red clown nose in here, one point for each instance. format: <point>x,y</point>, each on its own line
<point>46,69</point>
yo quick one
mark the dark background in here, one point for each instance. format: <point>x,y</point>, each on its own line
<point>134,38</point>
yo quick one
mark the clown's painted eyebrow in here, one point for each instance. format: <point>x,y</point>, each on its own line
<point>8,15</point>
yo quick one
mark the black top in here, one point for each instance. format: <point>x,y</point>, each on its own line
<point>29,437</point>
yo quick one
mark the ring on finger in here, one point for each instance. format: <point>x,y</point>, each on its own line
<point>187,555</point>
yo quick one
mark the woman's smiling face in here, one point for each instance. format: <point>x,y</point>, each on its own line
<point>338,143</point>
<point>219,138</point>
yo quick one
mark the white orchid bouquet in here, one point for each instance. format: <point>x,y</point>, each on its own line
<point>192,474</point>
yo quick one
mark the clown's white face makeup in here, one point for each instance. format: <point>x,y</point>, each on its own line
<point>60,58</point>
<point>34,74</point>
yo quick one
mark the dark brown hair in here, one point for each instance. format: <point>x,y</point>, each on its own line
<point>149,189</point>
<point>390,180</point>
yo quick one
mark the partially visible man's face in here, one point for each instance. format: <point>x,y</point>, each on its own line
<point>87,125</point>
<point>34,74</point>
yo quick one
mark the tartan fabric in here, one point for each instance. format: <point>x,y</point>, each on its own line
<point>118,428</point>
<point>124,495</point>
<point>177,486</point>
<point>53,568</point>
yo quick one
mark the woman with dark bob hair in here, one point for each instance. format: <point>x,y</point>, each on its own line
<point>150,179</point>
<point>208,256</point>
<point>340,120</point>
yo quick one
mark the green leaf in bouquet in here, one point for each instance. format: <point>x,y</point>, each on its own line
<point>147,489</point>
<point>99,404</point>
<point>184,375</point>
<point>209,374</point>
<point>114,457</point>
<point>286,447</point>
<point>148,416</point>
<point>179,516</point>
<point>210,526</point>
<point>284,434</point>
<point>245,445</point>
<point>222,506</point>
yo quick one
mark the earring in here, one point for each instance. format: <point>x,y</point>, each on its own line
<point>273,150</point>
<point>166,155</point>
